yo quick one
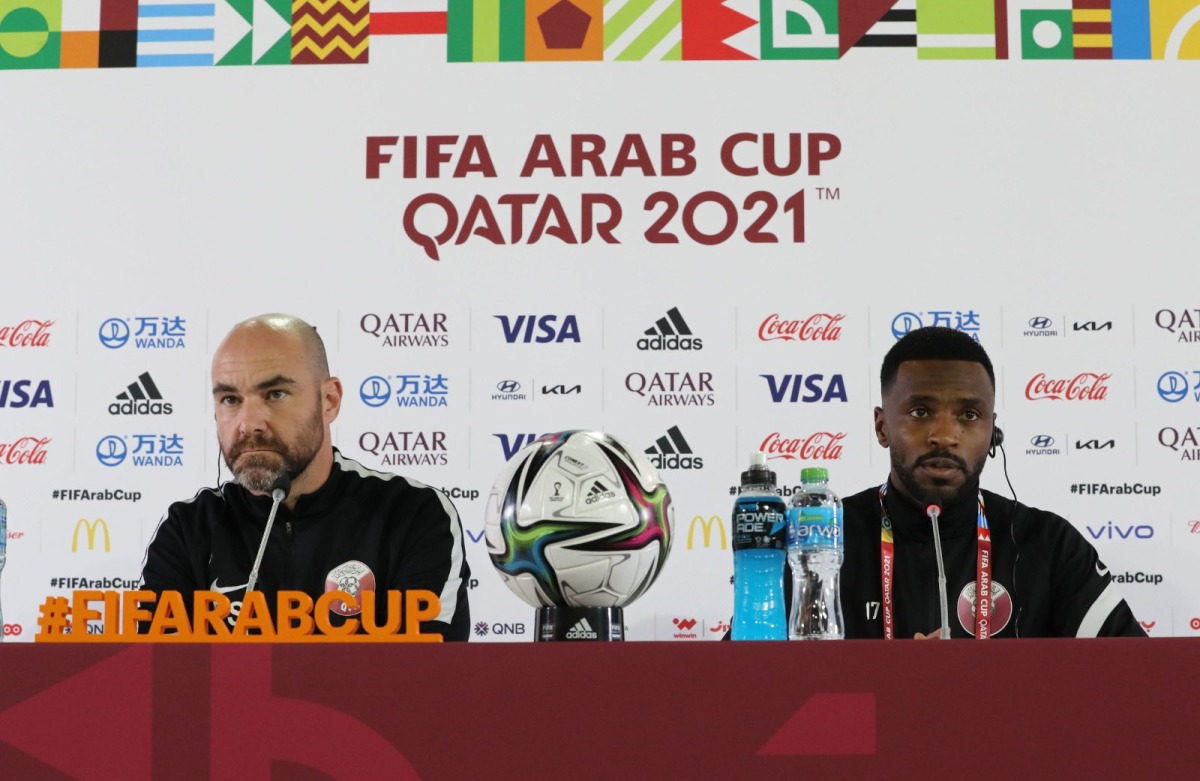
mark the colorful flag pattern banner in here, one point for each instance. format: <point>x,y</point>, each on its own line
<point>53,34</point>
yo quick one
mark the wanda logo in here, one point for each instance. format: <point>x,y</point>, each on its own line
<point>26,450</point>
<point>1086,386</point>
<point>29,333</point>
<point>820,327</point>
<point>819,445</point>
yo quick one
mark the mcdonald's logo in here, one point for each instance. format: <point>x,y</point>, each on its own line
<point>91,527</point>
<point>706,528</point>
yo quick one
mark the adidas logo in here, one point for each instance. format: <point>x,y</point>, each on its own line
<point>598,493</point>
<point>140,398</point>
<point>670,333</point>
<point>673,452</point>
<point>582,631</point>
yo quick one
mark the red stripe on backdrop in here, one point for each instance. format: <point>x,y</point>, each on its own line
<point>1093,4</point>
<point>409,23</point>
<point>1090,53</point>
<point>1093,28</point>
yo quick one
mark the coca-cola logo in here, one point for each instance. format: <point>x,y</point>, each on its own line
<point>819,327</point>
<point>1085,386</point>
<point>29,333</point>
<point>26,450</point>
<point>819,445</point>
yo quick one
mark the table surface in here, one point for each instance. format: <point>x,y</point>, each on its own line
<point>1101,708</point>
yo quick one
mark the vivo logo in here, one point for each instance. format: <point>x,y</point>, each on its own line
<point>1111,531</point>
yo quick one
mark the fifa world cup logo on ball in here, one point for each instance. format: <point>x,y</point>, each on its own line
<point>579,525</point>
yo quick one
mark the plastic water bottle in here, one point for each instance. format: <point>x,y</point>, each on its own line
<point>815,554</point>
<point>759,551</point>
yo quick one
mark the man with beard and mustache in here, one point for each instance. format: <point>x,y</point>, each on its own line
<point>937,421</point>
<point>339,523</point>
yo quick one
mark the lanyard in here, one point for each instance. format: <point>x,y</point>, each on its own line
<point>983,570</point>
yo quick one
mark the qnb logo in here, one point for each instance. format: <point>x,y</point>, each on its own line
<point>805,388</point>
<point>141,398</point>
<point>817,446</point>
<point>1095,444</point>
<point>90,528</point>
<point>670,333</point>
<point>672,451</point>
<point>1042,445</point>
<point>967,322</point>
<point>512,444</point>
<point>818,327</point>
<point>1040,326</point>
<point>1183,324</point>
<point>26,450</point>
<point>540,329</point>
<point>13,630</point>
<point>17,394</point>
<point>1113,531</point>
<point>148,450</point>
<point>1184,441</point>
<point>406,448</point>
<point>161,333</point>
<point>409,390</point>
<point>407,329</point>
<point>509,390</point>
<point>1085,386</point>
<point>481,628</point>
<point>1174,386</point>
<point>27,333</point>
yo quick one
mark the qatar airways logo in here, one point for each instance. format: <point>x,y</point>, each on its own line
<point>817,446</point>
<point>819,327</point>
<point>1085,386</point>
<point>27,333</point>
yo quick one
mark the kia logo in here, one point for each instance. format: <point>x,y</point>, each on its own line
<point>375,391</point>
<point>111,451</point>
<point>905,322</point>
<point>1040,323</point>
<point>508,386</point>
<point>1173,387</point>
<point>1042,440</point>
<point>114,333</point>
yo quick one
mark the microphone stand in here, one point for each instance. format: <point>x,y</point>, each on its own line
<point>933,511</point>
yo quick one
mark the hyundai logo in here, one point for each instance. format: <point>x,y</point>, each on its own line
<point>111,451</point>
<point>905,322</point>
<point>1040,323</point>
<point>375,391</point>
<point>114,333</point>
<point>1042,440</point>
<point>1173,386</point>
<point>508,386</point>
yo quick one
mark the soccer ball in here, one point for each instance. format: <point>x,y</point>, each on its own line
<point>579,519</point>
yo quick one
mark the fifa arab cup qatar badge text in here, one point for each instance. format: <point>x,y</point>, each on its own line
<point>579,525</point>
<point>353,577</point>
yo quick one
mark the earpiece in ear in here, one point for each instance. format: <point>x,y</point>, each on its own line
<point>997,440</point>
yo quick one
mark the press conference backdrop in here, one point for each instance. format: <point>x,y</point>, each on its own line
<point>697,226</point>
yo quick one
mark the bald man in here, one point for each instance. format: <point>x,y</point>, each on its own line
<point>341,525</point>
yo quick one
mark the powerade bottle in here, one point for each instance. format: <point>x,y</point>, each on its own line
<point>759,551</point>
<point>815,555</point>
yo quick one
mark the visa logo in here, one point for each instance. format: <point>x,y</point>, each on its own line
<point>521,328</point>
<point>513,445</point>
<point>789,387</point>
<point>16,394</point>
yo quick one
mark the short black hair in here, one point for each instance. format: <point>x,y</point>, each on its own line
<point>932,343</point>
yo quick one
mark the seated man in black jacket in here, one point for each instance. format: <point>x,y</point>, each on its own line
<point>1011,570</point>
<point>341,525</point>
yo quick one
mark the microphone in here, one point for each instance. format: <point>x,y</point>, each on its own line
<point>933,511</point>
<point>279,492</point>
<point>3,553</point>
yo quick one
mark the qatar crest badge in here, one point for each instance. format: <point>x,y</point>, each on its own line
<point>353,577</point>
